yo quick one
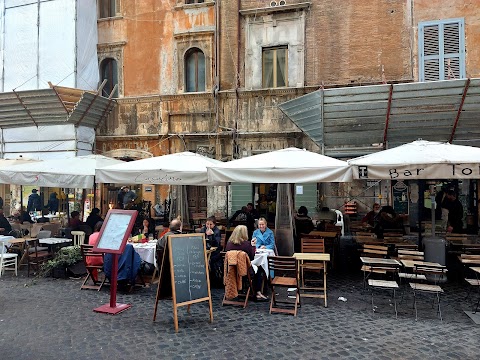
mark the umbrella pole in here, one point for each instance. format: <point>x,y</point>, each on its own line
<point>94,193</point>
<point>432,199</point>
<point>21,198</point>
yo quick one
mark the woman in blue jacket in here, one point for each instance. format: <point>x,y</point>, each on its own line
<point>263,236</point>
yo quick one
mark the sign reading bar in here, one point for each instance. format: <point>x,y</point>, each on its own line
<point>187,257</point>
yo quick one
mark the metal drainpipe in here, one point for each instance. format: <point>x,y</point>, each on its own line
<point>237,84</point>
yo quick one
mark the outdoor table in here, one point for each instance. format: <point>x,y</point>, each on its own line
<point>146,251</point>
<point>314,257</point>
<point>477,270</point>
<point>54,243</point>
<point>411,263</point>
<point>261,260</point>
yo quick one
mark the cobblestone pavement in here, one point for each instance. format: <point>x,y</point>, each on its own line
<point>53,319</point>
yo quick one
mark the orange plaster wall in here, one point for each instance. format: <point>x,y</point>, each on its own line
<point>430,10</point>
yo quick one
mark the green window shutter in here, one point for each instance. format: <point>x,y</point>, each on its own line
<point>242,194</point>
<point>308,198</point>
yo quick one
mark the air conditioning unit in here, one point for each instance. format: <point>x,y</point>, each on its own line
<point>282,2</point>
<point>273,3</point>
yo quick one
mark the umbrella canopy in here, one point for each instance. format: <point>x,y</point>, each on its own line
<point>77,172</point>
<point>185,168</point>
<point>284,166</point>
<point>420,160</point>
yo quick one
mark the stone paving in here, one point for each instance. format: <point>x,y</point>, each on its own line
<point>53,319</point>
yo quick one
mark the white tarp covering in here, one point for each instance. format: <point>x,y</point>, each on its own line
<point>183,168</point>
<point>285,166</point>
<point>49,40</point>
<point>47,142</point>
<point>420,160</point>
<point>76,172</point>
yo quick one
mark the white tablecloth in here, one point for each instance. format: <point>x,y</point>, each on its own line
<point>261,260</point>
<point>146,251</point>
<point>54,241</point>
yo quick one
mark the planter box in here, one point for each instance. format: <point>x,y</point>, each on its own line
<point>59,272</point>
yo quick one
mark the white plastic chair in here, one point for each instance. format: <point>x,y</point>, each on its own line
<point>7,259</point>
<point>78,237</point>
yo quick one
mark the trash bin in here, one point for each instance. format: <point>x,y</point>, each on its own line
<point>435,251</point>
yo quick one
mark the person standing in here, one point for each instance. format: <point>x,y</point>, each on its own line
<point>455,212</point>
<point>34,201</point>
<point>128,197</point>
<point>53,203</point>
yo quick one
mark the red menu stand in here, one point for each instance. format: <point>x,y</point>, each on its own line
<point>112,239</point>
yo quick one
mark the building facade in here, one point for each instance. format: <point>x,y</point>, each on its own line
<point>209,76</point>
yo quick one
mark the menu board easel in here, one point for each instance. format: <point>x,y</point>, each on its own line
<point>112,239</point>
<point>186,256</point>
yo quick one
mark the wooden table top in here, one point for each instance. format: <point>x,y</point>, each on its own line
<point>476,269</point>
<point>379,261</point>
<point>469,261</point>
<point>412,263</point>
<point>312,256</point>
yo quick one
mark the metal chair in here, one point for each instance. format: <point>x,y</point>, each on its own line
<point>385,284</point>
<point>433,273</point>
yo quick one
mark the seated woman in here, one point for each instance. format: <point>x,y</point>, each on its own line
<point>93,218</point>
<point>239,241</point>
<point>95,260</point>
<point>212,232</point>
<point>263,236</point>
<point>148,227</point>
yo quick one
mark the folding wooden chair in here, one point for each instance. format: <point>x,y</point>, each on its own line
<point>434,274</point>
<point>385,284</point>
<point>242,297</point>
<point>285,270</point>
<point>35,256</point>
<point>88,254</point>
<point>312,246</point>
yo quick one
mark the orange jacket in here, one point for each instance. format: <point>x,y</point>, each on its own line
<point>236,265</point>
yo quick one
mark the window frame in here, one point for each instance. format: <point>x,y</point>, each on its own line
<point>274,81</point>
<point>194,51</point>
<point>441,48</point>
<point>108,61</point>
<point>189,2</point>
<point>112,9</point>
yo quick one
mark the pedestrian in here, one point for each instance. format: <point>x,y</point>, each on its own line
<point>34,201</point>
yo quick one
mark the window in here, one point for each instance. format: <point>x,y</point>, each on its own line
<point>274,67</point>
<point>194,70</point>
<point>107,8</point>
<point>109,71</point>
<point>441,50</point>
<point>194,1</point>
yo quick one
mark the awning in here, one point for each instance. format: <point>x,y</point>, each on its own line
<point>354,121</point>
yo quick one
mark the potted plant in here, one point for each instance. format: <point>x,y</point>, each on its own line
<point>64,258</point>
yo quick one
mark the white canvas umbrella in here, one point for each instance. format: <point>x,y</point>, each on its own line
<point>420,160</point>
<point>77,172</point>
<point>185,168</point>
<point>286,166</point>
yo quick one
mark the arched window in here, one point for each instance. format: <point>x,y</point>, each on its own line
<point>194,70</point>
<point>109,71</point>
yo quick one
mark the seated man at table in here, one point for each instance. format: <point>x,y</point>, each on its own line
<point>239,241</point>
<point>5,226</point>
<point>75,221</point>
<point>303,225</point>
<point>44,219</point>
<point>243,217</point>
<point>174,228</point>
<point>128,267</point>
<point>369,219</point>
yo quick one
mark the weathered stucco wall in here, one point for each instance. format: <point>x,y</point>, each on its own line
<point>431,10</point>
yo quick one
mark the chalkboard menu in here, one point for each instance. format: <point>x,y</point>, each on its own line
<point>400,197</point>
<point>189,267</point>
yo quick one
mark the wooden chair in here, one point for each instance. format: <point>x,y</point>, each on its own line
<point>410,255</point>
<point>36,257</point>
<point>78,237</point>
<point>313,246</point>
<point>285,270</point>
<point>242,297</point>
<point>375,251</point>
<point>433,274</point>
<point>87,251</point>
<point>389,285</point>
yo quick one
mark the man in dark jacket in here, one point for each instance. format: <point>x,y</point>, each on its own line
<point>34,201</point>
<point>5,226</point>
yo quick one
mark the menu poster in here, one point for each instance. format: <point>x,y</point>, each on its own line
<point>115,231</point>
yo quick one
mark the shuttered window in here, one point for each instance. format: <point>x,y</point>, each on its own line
<point>441,50</point>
